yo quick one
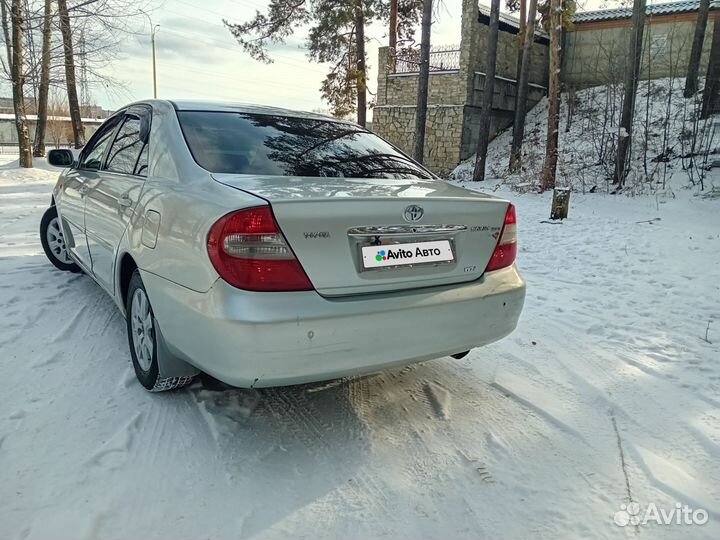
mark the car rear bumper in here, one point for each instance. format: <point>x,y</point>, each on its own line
<point>274,339</point>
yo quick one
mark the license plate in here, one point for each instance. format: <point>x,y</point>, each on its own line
<point>404,254</point>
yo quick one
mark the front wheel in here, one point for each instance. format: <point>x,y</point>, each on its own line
<point>142,338</point>
<point>53,241</point>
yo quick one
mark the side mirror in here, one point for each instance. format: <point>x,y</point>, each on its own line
<point>61,158</point>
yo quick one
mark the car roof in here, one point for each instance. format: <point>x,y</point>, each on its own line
<point>249,108</point>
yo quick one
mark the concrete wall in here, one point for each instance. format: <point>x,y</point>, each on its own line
<point>8,131</point>
<point>596,53</point>
<point>507,55</point>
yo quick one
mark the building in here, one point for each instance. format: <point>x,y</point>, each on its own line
<point>58,132</point>
<point>597,47</point>
<point>457,78</point>
<point>595,51</point>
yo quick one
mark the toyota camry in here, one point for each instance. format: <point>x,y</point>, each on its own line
<point>269,247</point>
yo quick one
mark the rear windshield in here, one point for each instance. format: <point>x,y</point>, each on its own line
<point>240,143</point>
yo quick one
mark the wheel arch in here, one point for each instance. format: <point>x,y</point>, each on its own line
<point>125,271</point>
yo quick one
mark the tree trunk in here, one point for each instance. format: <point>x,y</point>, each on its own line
<point>73,103</point>
<point>361,74</point>
<point>18,82</point>
<point>632,76</point>
<point>691,83</point>
<point>40,128</point>
<point>423,82</point>
<point>392,39</point>
<point>522,90</point>
<point>6,34</point>
<point>551,147</point>
<point>711,94</point>
<point>488,92</point>
<point>521,39</point>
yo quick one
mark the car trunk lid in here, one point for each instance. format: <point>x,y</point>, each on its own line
<point>329,221</point>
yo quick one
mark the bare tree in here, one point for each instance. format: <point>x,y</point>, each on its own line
<point>691,82</point>
<point>522,90</point>
<point>17,66</point>
<point>488,92</point>
<point>7,36</point>
<point>551,148</point>
<point>423,82</point>
<point>711,93</point>
<point>70,81</point>
<point>42,106</point>
<point>632,76</point>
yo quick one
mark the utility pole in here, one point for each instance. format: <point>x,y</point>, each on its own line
<point>152,36</point>
<point>153,32</point>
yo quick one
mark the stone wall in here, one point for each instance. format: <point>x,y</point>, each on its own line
<point>596,53</point>
<point>401,88</point>
<point>454,97</point>
<point>442,135</point>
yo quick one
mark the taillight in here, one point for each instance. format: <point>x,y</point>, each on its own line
<point>506,249</point>
<point>249,252</point>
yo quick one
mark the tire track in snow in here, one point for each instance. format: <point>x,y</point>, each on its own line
<point>114,452</point>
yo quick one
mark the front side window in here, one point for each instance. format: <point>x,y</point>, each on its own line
<point>126,148</point>
<point>93,154</point>
<point>242,143</point>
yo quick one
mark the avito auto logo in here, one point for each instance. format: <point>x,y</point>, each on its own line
<point>401,253</point>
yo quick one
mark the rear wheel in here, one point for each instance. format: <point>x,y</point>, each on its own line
<point>53,241</point>
<point>142,338</point>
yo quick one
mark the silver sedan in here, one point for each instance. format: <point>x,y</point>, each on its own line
<point>268,247</point>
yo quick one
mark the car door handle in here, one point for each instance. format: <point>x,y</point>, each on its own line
<point>83,190</point>
<point>125,201</point>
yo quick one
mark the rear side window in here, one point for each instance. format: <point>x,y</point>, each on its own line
<point>126,148</point>
<point>241,143</point>
<point>142,163</point>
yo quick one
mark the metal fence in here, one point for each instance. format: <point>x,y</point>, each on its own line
<point>441,59</point>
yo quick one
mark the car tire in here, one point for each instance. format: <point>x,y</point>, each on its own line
<point>142,339</point>
<point>53,242</point>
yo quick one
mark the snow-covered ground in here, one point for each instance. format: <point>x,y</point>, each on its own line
<point>608,392</point>
<point>671,152</point>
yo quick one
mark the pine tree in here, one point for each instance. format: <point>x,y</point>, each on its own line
<point>553,131</point>
<point>336,37</point>
<point>522,89</point>
<point>691,82</point>
<point>632,77</point>
<point>488,92</point>
<point>711,93</point>
<point>423,82</point>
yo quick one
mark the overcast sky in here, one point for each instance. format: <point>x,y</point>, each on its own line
<point>198,58</point>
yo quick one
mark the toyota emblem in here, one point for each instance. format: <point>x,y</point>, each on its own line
<point>413,213</point>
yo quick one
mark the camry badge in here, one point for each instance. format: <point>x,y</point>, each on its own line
<point>413,213</point>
